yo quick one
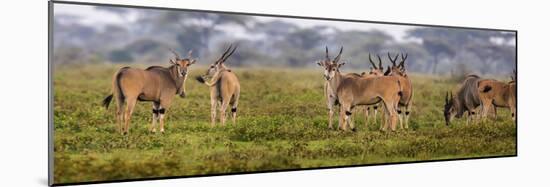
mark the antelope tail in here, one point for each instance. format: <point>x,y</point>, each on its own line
<point>200,79</point>
<point>212,82</point>
<point>400,92</point>
<point>107,101</point>
<point>116,88</point>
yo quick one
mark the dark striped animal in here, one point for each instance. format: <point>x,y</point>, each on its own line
<point>466,100</point>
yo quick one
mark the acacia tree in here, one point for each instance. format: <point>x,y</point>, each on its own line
<point>438,49</point>
<point>492,55</point>
<point>198,28</point>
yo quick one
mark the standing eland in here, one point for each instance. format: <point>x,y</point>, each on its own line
<point>399,71</point>
<point>224,87</point>
<point>155,84</point>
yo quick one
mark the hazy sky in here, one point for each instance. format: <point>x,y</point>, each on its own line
<point>91,16</point>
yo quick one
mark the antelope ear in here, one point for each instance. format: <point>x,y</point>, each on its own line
<point>193,61</point>
<point>388,71</point>
<point>319,63</point>
<point>341,64</point>
<point>172,62</point>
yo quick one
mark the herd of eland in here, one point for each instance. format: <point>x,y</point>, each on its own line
<point>390,90</point>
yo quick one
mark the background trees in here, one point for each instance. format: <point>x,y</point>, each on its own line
<point>144,36</point>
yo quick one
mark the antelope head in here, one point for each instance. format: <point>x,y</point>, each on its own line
<point>331,66</point>
<point>449,110</point>
<point>219,64</point>
<point>179,67</point>
<point>397,69</point>
<point>374,70</point>
<point>181,64</point>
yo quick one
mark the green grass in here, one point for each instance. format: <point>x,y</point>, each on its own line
<point>282,125</point>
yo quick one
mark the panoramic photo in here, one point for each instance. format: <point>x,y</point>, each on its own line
<point>143,93</point>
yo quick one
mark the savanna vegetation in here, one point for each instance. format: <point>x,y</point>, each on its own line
<point>282,124</point>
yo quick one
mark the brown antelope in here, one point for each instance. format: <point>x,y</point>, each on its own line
<point>156,84</point>
<point>467,100</point>
<point>224,88</point>
<point>374,72</point>
<point>330,95</point>
<point>399,71</point>
<point>353,91</point>
<point>494,94</point>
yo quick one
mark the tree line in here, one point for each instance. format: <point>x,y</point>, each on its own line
<point>147,37</point>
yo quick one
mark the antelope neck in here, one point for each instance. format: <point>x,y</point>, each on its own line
<point>335,81</point>
<point>178,82</point>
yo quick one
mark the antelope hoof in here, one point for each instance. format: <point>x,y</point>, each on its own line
<point>353,129</point>
<point>162,131</point>
<point>153,130</point>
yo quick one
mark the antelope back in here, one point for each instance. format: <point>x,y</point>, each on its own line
<point>366,90</point>
<point>468,95</point>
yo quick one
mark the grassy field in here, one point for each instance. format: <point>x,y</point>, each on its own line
<point>282,125</point>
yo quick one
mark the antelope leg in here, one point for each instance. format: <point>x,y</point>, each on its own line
<point>330,114</point>
<point>213,104</point>
<point>375,109</point>
<point>367,108</point>
<point>400,115</point>
<point>407,112</point>
<point>154,121</point>
<point>119,118</point>
<point>156,117</point>
<point>128,114</point>
<point>351,122</point>
<point>119,113</point>
<point>223,108</point>
<point>347,117</point>
<point>161,114</point>
<point>341,119</point>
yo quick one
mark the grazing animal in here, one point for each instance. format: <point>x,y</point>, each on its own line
<point>494,94</point>
<point>399,71</point>
<point>329,92</point>
<point>155,84</point>
<point>224,87</point>
<point>466,100</point>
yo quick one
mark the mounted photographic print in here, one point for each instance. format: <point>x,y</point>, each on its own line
<point>139,93</point>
